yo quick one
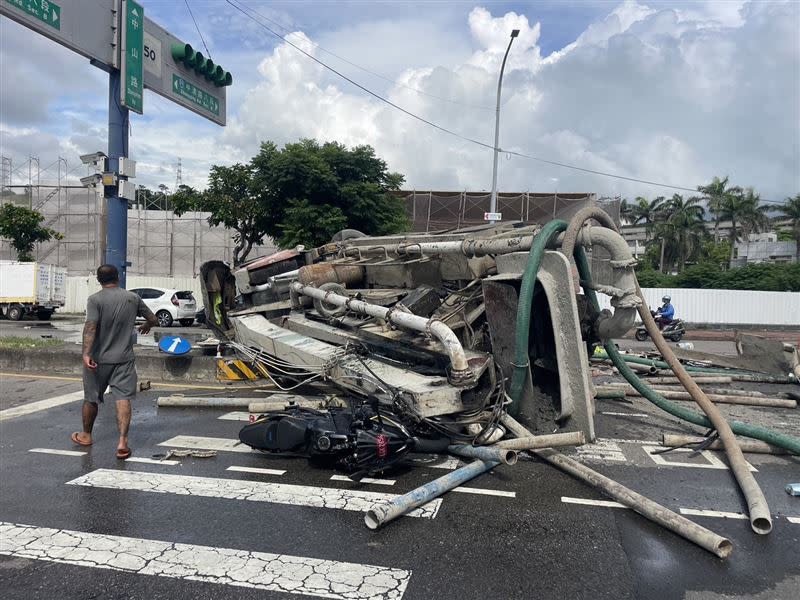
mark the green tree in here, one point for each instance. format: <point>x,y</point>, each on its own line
<point>23,228</point>
<point>791,210</point>
<point>745,212</point>
<point>302,193</point>
<point>644,212</point>
<point>716,194</point>
<point>682,232</point>
<point>716,253</point>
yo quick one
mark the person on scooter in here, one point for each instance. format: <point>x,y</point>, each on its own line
<point>666,313</point>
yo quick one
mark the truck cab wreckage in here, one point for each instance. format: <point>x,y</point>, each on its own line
<point>475,341</point>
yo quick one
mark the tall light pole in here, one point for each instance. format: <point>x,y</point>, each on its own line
<point>493,203</point>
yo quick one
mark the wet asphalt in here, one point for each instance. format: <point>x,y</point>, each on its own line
<point>530,546</point>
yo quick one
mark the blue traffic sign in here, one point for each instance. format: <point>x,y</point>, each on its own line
<point>173,344</point>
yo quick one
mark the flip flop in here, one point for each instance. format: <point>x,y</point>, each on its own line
<point>123,453</point>
<point>74,437</point>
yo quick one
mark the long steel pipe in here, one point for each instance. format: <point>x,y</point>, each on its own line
<point>460,373</point>
<point>572,438</point>
<point>669,440</point>
<point>487,453</point>
<point>380,514</point>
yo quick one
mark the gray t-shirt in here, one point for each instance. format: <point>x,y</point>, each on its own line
<point>115,311</point>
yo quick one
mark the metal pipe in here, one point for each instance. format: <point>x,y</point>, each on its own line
<point>701,536</point>
<point>673,394</point>
<point>460,373</point>
<point>756,447</point>
<point>675,380</point>
<point>380,514</point>
<point>486,453</point>
<point>572,438</point>
<point>202,402</point>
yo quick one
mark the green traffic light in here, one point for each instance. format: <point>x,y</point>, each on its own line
<point>183,53</point>
<point>225,79</point>
<point>199,63</point>
<point>208,70</point>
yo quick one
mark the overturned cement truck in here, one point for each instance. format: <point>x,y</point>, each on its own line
<point>447,330</point>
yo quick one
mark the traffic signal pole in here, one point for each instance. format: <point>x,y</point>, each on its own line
<point>117,227</point>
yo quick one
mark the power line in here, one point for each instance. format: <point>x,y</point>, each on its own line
<point>191,14</point>
<point>289,32</point>
<point>454,133</point>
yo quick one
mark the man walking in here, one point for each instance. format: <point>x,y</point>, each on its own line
<point>108,360</point>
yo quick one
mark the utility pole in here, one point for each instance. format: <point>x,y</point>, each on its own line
<point>493,202</point>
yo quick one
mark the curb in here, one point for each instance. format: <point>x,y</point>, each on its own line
<point>150,364</point>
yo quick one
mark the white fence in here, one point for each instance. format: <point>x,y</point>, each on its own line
<point>726,307</point>
<point>715,307</point>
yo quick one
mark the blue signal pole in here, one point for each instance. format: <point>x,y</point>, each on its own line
<point>117,226</point>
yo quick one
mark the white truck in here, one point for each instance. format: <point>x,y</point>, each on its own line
<point>31,288</point>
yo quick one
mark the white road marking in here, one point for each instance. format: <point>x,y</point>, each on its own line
<point>226,566</point>
<point>793,520</point>
<point>32,407</point>
<point>256,470</point>
<point>363,480</point>
<point>624,414</point>
<point>601,450</point>
<point>590,502</point>
<point>624,441</point>
<point>59,452</point>
<point>427,460</point>
<point>152,461</point>
<point>712,513</point>
<point>713,461</point>
<point>207,443</point>
<point>485,492</point>
<point>237,489</point>
<point>236,415</point>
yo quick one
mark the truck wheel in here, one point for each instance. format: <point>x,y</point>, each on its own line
<point>164,318</point>
<point>641,335</point>
<point>44,315</point>
<point>15,313</point>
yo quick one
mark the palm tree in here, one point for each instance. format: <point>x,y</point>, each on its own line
<point>791,211</point>
<point>644,212</point>
<point>716,194</point>
<point>746,214</point>
<point>681,232</point>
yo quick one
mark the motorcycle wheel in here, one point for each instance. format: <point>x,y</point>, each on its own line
<point>641,335</point>
<point>677,337</point>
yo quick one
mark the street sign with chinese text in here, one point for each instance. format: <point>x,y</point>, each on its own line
<point>131,63</point>
<point>195,95</point>
<point>47,12</point>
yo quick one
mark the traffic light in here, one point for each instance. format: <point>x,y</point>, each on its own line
<point>205,67</point>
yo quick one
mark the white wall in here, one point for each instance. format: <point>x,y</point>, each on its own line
<point>726,307</point>
<point>80,288</point>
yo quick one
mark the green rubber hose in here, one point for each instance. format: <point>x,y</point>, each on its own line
<point>521,346</point>
<point>752,431</point>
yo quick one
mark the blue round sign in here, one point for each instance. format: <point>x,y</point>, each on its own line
<point>173,344</point>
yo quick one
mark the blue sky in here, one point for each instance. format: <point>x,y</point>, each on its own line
<point>666,91</point>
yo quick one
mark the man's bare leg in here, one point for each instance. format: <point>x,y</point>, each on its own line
<point>89,414</point>
<point>123,422</point>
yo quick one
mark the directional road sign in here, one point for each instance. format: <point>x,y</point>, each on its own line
<point>132,58</point>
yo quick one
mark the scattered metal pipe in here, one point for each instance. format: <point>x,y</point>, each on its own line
<point>202,401</point>
<point>672,394</point>
<point>262,407</point>
<point>460,373</point>
<point>756,447</point>
<point>485,453</point>
<point>380,514</point>
<point>676,381</point>
<point>320,273</point>
<point>651,370</point>
<point>515,427</point>
<point>573,438</point>
<point>701,536</point>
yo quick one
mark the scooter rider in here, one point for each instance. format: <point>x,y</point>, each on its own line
<point>666,313</point>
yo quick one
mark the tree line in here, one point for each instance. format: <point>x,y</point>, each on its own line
<point>676,235</point>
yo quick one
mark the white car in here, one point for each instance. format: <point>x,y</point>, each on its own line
<point>169,305</point>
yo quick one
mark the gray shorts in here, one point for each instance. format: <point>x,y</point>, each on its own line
<point>120,377</point>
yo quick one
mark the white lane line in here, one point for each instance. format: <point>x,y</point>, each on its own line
<point>226,566</point>
<point>624,414</point>
<point>624,441</point>
<point>590,502</point>
<point>363,480</point>
<point>436,461</point>
<point>59,452</point>
<point>237,489</point>
<point>712,513</point>
<point>256,470</point>
<point>32,407</point>
<point>485,492</point>
<point>601,450</point>
<point>207,443</point>
<point>235,416</point>
<point>152,461</point>
<point>712,461</point>
<point>793,520</point>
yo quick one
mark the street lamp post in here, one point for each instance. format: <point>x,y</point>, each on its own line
<point>493,202</point>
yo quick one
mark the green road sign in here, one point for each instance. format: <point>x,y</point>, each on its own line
<point>194,94</point>
<point>132,63</point>
<point>44,10</point>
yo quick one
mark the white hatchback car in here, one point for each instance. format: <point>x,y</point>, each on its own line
<point>169,305</point>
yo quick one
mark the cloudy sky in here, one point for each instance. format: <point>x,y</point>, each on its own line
<point>674,92</point>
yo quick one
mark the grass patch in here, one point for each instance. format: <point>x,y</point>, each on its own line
<point>10,341</point>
